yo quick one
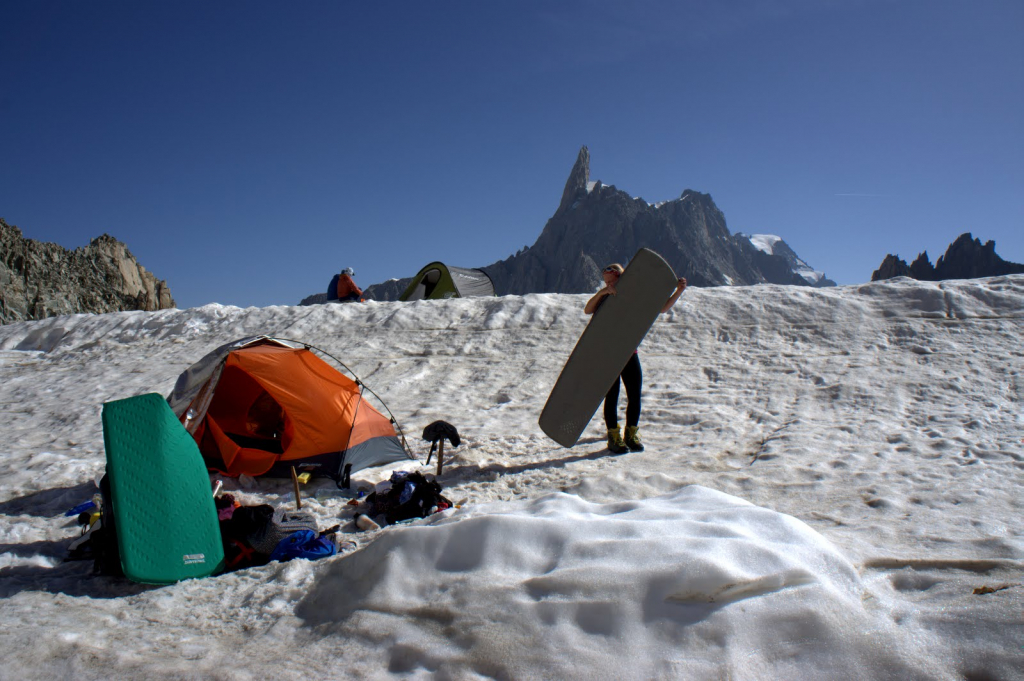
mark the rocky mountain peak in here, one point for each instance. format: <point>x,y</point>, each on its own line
<point>779,261</point>
<point>596,223</point>
<point>695,195</point>
<point>966,258</point>
<point>922,268</point>
<point>39,280</point>
<point>579,178</point>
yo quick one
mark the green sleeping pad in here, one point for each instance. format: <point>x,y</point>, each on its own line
<point>160,495</point>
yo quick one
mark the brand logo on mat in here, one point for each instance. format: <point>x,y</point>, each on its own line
<point>193,558</point>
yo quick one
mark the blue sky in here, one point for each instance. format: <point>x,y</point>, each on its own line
<point>245,151</point>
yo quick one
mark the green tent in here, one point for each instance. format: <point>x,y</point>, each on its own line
<point>438,280</point>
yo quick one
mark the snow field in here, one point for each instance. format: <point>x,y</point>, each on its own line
<point>830,474</point>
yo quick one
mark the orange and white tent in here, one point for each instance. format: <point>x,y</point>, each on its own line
<point>262,405</point>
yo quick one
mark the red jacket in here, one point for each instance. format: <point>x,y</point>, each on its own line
<point>347,287</point>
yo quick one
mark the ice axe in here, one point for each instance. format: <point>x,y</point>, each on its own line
<point>436,433</point>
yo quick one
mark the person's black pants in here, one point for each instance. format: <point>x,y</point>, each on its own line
<point>633,378</point>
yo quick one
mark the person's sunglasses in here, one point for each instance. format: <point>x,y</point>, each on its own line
<point>612,269</point>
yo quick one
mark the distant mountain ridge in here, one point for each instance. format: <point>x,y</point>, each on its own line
<point>596,224</point>
<point>40,280</point>
<point>966,258</point>
<point>771,244</point>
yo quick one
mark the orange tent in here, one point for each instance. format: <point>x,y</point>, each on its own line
<point>262,405</point>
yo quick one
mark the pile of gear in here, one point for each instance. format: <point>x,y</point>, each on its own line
<point>251,535</point>
<point>405,496</point>
<point>257,535</point>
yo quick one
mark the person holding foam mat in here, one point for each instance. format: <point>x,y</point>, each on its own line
<point>631,375</point>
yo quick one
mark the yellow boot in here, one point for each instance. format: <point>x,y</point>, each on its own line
<point>633,439</point>
<point>615,443</point>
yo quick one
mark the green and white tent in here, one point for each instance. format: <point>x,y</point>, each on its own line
<point>438,280</point>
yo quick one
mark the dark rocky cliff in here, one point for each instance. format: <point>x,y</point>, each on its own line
<point>966,258</point>
<point>39,280</point>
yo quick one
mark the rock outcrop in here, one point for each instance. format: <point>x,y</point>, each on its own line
<point>39,280</point>
<point>892,266</point>
<point>966,258</point>
<point>387,290</point>
<point>596,224</point>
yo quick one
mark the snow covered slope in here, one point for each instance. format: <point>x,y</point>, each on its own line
<point>831,489</point>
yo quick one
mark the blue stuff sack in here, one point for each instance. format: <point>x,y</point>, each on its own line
<point>304,544</point>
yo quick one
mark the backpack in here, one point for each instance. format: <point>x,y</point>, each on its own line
<point>332,288</point>
<point>414,496</point>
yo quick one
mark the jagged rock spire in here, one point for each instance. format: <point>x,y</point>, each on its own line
<point>922,268</point>
<point>966,258</point>
<point>578,179</point>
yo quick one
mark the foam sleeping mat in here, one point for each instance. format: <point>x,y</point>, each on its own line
<point>167,526</point>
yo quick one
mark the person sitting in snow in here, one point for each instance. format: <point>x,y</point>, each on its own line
<point>631,375</point>
<point>346,289</point>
